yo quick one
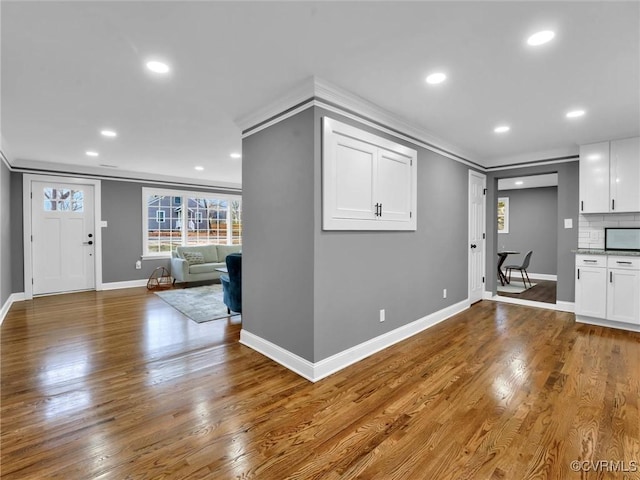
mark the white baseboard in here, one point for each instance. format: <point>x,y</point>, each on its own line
<point>601,322</point>
<point>14,297</point>
<point>558,306</point>
<point>541,276</point>
<point>566,306</point>
<point>319,370</point>
<point>284,357</point>
<point>127,284</point>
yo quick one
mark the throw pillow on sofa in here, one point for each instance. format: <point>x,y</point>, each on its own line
<point>193,258</point>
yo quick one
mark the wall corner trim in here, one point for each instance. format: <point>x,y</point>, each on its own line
<point>14,297</point>
<point>319,370</point>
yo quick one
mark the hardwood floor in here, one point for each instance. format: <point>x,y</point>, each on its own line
<point>542,291</point>
<point>118,385</point>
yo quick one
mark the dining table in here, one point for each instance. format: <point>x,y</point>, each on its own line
<point>502,256</point>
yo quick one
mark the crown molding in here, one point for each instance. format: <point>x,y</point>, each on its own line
<point>333,94</point>
<point>535,163</point>
<point>317,92</point>
<point>301,93</point>
<point>533,158</point>
<point>5,160</point>
<point>49,168</point>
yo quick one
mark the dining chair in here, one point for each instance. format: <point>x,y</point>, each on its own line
<point>522,268</point>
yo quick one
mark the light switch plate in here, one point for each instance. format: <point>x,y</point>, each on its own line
<point>568,223</point>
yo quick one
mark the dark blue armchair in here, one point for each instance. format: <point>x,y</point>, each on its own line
<point>232,283</point>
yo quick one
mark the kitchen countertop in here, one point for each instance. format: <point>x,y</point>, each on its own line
<point>586,251</point>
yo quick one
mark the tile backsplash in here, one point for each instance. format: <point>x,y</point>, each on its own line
<point>591,227</point>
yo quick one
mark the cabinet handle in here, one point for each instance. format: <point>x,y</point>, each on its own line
<point>613,204</point>
<point>590,261</point>
<point>623,263</point>
<point>377,205</point>
<point>578,274</point>
<point>581,205</point>
<point>610,277</point>
<point>380,209</point>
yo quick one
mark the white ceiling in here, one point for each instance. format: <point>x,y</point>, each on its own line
<point>72,68</point>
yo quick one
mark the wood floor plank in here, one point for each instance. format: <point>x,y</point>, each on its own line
<point>119,384</point>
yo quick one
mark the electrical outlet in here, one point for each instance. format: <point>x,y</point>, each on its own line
<point>382,315</point>
<point>139,265</point>
<point>444,293</point>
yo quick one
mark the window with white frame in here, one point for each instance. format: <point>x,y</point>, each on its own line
<point>503,215</point>
<point>172,218</point>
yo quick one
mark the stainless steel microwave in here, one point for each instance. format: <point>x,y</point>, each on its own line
<point>622,239</point>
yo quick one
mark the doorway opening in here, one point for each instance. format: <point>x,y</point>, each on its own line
<point>527,233</point>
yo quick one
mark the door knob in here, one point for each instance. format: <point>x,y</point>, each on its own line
<point>473,245</point>
<point>90,235</point>
<point>88,243</point>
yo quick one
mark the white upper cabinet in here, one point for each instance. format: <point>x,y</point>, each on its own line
<point>610,176</point>
<point>594,178</point>
<point>368,182</point>
<point>625,175</point>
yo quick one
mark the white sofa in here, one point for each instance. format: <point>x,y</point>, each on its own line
<point>193,264</point>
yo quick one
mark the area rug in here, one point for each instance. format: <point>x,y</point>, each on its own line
<point>515,286</point>
<point>200,304</point>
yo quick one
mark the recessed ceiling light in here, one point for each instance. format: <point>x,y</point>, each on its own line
<point>158,67</point>
<point>541,38</point>
<point>199,168</point>
<point>502,129</point>
<point>436,78</point>
<point>235,155</point>
<point>519,182</point>
<point>108,133</point>
<point>575,113</point>
<point>91,153</point>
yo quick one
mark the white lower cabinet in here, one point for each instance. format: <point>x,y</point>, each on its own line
<point>608,289</point>
<point>591,286</point>
<point>623,290</point>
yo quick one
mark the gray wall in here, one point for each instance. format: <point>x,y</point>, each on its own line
<point>316,293</point>
<point>278,234</point>
<point>567,208</point>
<point>17,234</point>
<point>5,233</point>
<point>404,273</point>
<point>533,214</point>
<point>122,238</point>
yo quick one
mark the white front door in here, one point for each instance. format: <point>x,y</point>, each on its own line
<point>477,184</point>
<point>63,237</point>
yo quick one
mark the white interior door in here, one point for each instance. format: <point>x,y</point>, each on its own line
<point>477,184</point>
<point>63,237</point>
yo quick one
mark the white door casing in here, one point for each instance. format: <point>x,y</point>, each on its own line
<point>476,246</point>
<point>62,235</point>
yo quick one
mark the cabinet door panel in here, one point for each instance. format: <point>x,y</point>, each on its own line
<point>355,165</point>
<point>625,175</point>
<point>393,186</point>
<point>360,171</point>
<point>594,178</point>
<point>591,287</point>
<point>623,296</point>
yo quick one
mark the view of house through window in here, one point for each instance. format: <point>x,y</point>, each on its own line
<point>173,218</point>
